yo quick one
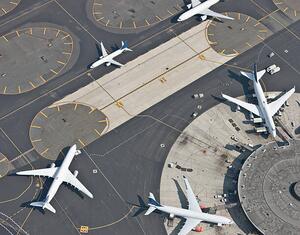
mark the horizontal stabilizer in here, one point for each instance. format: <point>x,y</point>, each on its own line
<point>150,210</point>
<point>43,205</point>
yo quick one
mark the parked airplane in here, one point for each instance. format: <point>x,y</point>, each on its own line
<point>193,214</point>
<point>108,59</point>
<point>60,175</point>
<point>198,8</point>
<point>263,109</point>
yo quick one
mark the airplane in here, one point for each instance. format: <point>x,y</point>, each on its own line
<point>193,214</point>
<point>108,59</point>
<point>263,109</point>
<point>60,175</point>
<point>198,8</point>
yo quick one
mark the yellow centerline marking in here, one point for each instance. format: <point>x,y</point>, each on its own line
<point>41,112</point>
<point>97,132</point>
<point>34,126</point>
<point>80,141</point>
<point>45,151</point>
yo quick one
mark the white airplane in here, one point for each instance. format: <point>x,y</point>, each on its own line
<point>193,214</point>
<point>263,109</point>
<point>108,59</point>
<point>60,175</point>
<point>198,8</point>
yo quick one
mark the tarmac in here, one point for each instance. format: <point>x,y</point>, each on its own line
<point>135,151</point>
<point>206,153</point>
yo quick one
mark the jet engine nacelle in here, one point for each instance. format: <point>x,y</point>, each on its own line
<point>189,6</point>
<point>108,64</point>
<point>171,216</point>
<point>52,165</point>
<point>204,17</point>
<point>75,173</point>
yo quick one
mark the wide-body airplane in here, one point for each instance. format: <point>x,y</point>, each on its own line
<point>108,59</point>
<point>198,8</point>
<point>263,109</point>
<point>193,214</point>
<point>60,175</point>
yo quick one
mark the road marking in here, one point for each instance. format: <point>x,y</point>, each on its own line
<point>75,107</point>
<point>39,127</point>
<point>4,38</point>
<point>31,84</point>
<point>58,31</point>
<point>38,140</point>
<point>60,62</point>
<point>43,79</point>
<point>147,22</point>
<point>80,141</point>
<point>41,112</point>
<point>19,89</point>
<point>134,25</point>
<point>45,151</point>
<point>53,71</point>
<point>97,132</point>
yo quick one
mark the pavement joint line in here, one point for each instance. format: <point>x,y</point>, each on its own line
<point>27,12</point>
<point>21,155</point>
<point>66,214</point>
<point>113,187</point>
<point>266,16</point>
<point>76,20</point>
<point>45,94</point>
<point>283,59</point>
<point>9,218</point>
<point>290,31</point>
<point>31,178</point>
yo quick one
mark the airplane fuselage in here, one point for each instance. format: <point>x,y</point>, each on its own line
<point>195,10</point>
<point>57,178</point>
<point>194,215</point>
<point>106,59</point>
<point>264,108</point>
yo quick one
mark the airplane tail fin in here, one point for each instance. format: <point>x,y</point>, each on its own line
<point>44,205</point>
<point>125,46</point>
<point>152,203</point>
<point>254,76</point>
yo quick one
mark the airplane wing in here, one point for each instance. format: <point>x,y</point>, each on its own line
<point>115,62</point>
<point>195,3</point>
<point>71,179</point>
<point>193,203</point>
<point>48,172</point>
<point>275,105</point>
<point>188,226</point>
<point>209,12</point>
<point>104,53</point>
<point>250,107</point>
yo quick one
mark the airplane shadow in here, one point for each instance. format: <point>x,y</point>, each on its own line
<point>229,187</point>
<point>181,195</point>
<point>245,82</point>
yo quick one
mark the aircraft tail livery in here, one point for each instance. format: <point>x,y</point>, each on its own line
<point>125,46</point>
<point>152,203</point>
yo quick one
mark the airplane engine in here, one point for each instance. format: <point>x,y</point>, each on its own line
<point>189,6</point>
<point>75,173</point>
<point>171,216</point>
<point>52,165</point>
<point>108,64</point>
<point>204,17</point>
